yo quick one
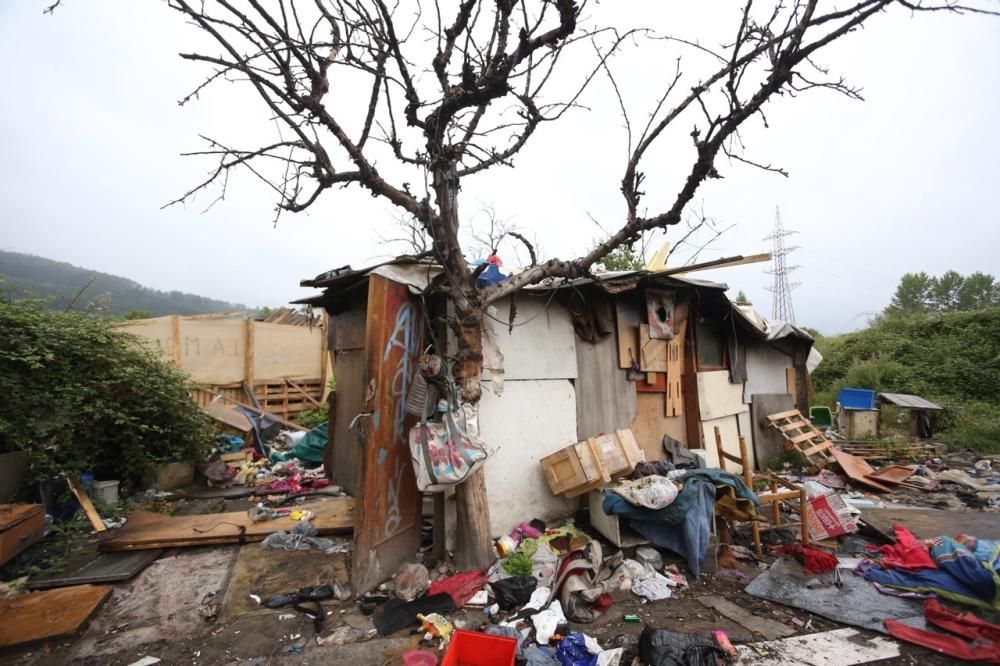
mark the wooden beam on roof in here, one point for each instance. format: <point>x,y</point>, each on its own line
<point>725,262</point>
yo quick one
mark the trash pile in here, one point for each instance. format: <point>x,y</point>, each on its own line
<point>544,579</point>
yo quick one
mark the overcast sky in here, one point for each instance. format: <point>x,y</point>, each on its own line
<point>91,134</point>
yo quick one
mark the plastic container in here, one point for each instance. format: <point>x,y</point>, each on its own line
<point>419,658</point>
<point>106,491</point>
<point>472,648</point>
<point>821,416</point>
<point>856,398</point>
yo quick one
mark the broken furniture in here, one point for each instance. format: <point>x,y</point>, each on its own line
<point>20,526</point>
<point>802,436</point>
<point>773,498</point>
<point>591,464</point>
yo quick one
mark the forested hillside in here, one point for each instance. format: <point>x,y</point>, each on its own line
<point>951,357</point>
<point>24,274</point>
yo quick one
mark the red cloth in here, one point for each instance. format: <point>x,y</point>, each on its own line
<point>813,559</point>
<point>985,637</point>
<point>907,554</point>
<point>459,587</point>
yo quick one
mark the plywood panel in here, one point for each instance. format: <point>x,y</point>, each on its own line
<point>651,424</point>
<point>389,505</point>
<point>605,398</point>
<point>212,351</point>
<point>627,318</point>
<point>287,351</point>
<point>652,352</point>
<point>532,419</point>
<point>154,334</point>
<point>349,372</point>
<point>729,426</point>
<point>717,397</point>
<point>50,614</point>
<point>544,347</point>
<point>765,369</point>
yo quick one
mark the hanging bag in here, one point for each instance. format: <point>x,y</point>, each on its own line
<point>445,453</point>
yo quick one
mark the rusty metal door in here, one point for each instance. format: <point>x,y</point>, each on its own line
<point>387,531</point>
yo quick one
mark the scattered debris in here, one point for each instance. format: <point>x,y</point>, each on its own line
<point>769,629</point>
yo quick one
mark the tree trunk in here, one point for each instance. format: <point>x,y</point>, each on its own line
<point>474,549</point>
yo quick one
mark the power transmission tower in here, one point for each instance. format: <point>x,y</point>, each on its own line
<point>781,290</point>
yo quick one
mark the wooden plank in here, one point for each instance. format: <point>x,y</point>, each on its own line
<point>349,372</point>
<point>857,469</point>
<point>260,412</point>
<point>627,326</point>
<point>791,381</point>
<point>301,390</point>
<point>674,403</point>
<point>766,627</point>
<point>767,442</point>
<point>145,529</point>
<point>652,352</point>
<point>248,353</point>
<point>893,474</point>
<point>605,398</point>
<point>389,504</point>
<point>175,340</point>
<point>784,415</point>
<point>819,448</point>
<point>88,507</point>
<point>49,615</point>
<point>659,384</point>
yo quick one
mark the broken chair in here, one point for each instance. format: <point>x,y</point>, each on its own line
<point>789,492</point>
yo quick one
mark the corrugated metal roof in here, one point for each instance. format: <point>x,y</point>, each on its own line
<point>909,401</point>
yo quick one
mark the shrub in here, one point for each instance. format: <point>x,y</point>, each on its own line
<point>79,395</point>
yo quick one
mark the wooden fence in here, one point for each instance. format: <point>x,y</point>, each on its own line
<point>285,367</point>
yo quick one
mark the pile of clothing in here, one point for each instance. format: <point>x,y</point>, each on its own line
<point>684,525</point>
<point>964,569</point>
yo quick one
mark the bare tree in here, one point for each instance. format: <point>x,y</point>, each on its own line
<point>457,89</point>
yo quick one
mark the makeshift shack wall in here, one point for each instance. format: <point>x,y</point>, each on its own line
<point>533,418</point>
<point>721,404</point>
<point>223,353</point>
<point>536,412</point>
<point>766,368</point>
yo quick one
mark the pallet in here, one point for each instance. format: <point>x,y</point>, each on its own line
<point>802,436</point>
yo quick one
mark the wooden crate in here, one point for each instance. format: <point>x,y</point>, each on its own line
<point>592,463</point>
<point>20,526</point>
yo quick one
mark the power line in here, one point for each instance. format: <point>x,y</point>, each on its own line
<point>781,289</point>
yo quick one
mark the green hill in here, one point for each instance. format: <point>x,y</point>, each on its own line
<point>952,358</point>
<point>25,274</point>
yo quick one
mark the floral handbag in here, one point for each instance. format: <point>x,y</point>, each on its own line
<point>445,453</point>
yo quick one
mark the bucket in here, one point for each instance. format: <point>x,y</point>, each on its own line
<point>419,658</point>
<point>106,491</point>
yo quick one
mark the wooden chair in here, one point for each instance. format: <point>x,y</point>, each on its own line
<point>790,492</point>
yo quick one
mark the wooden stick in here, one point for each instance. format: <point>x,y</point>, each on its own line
<point>301,390</point>
<point>261,412</point>
<point>88,507</point>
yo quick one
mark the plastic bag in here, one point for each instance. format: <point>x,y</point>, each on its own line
<point>514,592</point>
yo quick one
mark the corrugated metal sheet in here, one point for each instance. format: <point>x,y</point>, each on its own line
<point>909,401</point>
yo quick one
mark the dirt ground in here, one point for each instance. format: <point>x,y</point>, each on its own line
<point>159,613</point>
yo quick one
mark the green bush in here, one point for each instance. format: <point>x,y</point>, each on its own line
<point>79,395</point>
<point>951,358</point>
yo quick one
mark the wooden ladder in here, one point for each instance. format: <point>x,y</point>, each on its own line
<point>802,436</point>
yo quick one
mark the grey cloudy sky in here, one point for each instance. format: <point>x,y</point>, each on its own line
<point>91,131</point>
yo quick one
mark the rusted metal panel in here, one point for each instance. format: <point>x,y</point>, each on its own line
<point>387,531</point>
